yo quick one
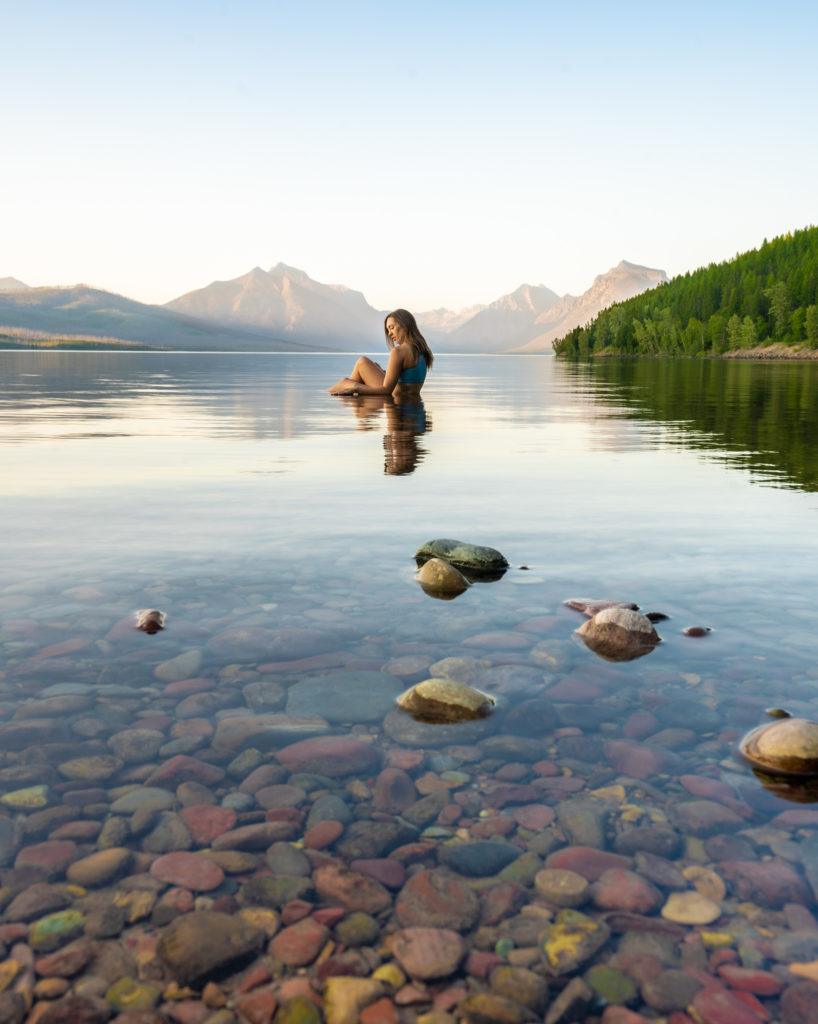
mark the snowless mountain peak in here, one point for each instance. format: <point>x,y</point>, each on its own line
<point>11,284</point>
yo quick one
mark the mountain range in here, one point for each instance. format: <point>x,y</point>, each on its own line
<point>283,309</point>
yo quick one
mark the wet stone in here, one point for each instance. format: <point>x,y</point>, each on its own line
<point>521,985</point>
<point>437,899</point>
<point>357,929</point>
<point>670,991</point>
<point>586,861</point>
<point>197,945</point>
<point>169,834</point>
<point>340,886</point>
<point>427,953</point>
<point>333,756</point>
<point>54,930</point>
<point>284,859</point>
<point>345,697</point>
<point>36,901</point>
<point>478,859</point>
<point>206,822</point>
<point>690,908</point>
<point>562,888</point>
<point>274,892</point>
<point>372,839</point>
<point>610,986</point>
<point>100,868</point>
<point>584,821</point>
<point>188,870</point>
<point>143,798</point>
<point>705,817</point>
<point>620,889</point>
<point>136,746</point>
<point>571,940</point>
<point>299,944</point>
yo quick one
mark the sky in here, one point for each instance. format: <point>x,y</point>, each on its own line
<point>428,154</point>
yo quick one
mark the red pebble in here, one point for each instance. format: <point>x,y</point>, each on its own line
<point>722,956</point>
<point>322,835</point>
<point>407,760</point>
<point>750,1000</point>
<point>295,910</point>
<point>382,1011</point>
<point>545,768</point>
<point>184,687</point>
<point>761,983</point>
<point>257,975</point>
<point>284,814</point>
<point>258,1007</point>
<point>329,916</point>
<point>479,963</point>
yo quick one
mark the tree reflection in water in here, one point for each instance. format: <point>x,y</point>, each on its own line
<point>406,421</point>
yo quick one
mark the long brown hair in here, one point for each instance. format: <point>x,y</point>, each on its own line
<point>410,326</point>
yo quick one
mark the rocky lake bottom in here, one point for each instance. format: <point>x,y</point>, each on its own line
<point>231,821</point>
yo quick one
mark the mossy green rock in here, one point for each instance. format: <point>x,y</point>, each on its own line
<point>128,994</point>
<point>610,985</point>
<point>572,939</point>
<point>357,929</point>
<point>299,1011</point>
<point>473,558</point>
<point>55,930</point>
<point>32,798</point>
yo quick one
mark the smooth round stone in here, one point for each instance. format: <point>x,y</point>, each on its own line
<point>329,807</point>
<point>351,890</point>
<point>619,634</point>
<point>238,802</point>
<point>188,871</point>
<point>91,769</point>
<point>135,746</point>
<point>333,756</point>
<point>445,701</point>
<point>299,944</point>
<point>284,859</point>
<point>357,929</point>
<point>786,746</point>
<point>100,868</point>
<point>51,857</point>
<point>474,558</point>
<point>206,822</point>
<point>463,670</point>
<point>620,889</point>
<point>479,859</point>
<point>322,834</point>
<point>690,908</point>
<point>196,946</point>
<point>143,798</point>
<point>438,899</point>
<point>427,953</point>
<point>438,578</point>
<point>280,795</point>
<point>610,985</point>
<point>183,666</point>
<point>670,991</point>
<point>345,697</point>
<point>561,887</point>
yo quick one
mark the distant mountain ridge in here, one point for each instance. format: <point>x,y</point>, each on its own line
<point>284,309</point>
<point>288,303</point>
<point>80,310</point>
<point>11,284</point>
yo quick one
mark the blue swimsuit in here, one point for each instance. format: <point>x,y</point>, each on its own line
<point>415,375</point>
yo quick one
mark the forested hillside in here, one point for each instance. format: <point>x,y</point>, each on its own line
<point>763,297</point>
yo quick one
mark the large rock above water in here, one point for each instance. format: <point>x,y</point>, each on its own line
<point>787,746</point>
<point>445,700</point>
<point>200,944</point>
<point>619,634</point>
<point>345,697</point>
<point>473,558</point>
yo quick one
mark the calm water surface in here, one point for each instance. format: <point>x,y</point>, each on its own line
<point>276,527</point>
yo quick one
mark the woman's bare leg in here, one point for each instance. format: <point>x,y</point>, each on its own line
<point>368,372</point>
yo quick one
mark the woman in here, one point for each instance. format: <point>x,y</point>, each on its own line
<point>409,359</point>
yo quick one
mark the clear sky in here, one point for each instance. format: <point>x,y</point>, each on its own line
<point>432,153</point>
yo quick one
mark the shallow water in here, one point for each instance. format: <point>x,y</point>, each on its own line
<point>234,494</point>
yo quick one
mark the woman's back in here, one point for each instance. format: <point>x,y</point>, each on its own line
<point>414,374</point>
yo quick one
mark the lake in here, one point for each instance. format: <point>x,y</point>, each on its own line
<point>249,759</point>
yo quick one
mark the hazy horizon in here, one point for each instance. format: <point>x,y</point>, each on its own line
<point>437,161</point>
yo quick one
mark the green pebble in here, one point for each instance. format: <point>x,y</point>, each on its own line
<point>503,947</point>
<point>461,778</point>
<point>54,930</point>
<point>32,798</point>
<point>299,1011</point>
<point>435,832</point>
<point>128,994</point>
<point>610,985</point>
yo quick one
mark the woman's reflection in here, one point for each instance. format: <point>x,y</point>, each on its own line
<point>406,421</point>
